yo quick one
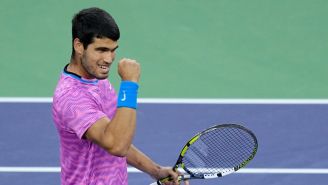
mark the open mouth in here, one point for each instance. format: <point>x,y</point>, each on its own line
<point>104,68</point>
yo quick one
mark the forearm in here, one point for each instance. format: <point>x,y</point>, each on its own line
<point>142,162</point>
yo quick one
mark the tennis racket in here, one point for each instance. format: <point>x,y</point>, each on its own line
<point>216,152</point>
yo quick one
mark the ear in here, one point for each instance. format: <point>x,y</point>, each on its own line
<point>78,46</point>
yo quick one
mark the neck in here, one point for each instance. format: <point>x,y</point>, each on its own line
<point>75,66</point>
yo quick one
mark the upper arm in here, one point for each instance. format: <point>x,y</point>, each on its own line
<point>96,133</point>
<point>105,136</point>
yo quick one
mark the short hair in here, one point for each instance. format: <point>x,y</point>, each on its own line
<point>93,23</point>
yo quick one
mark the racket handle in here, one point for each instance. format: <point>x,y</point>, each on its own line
<point>156,183</point>
<point>180,178</point>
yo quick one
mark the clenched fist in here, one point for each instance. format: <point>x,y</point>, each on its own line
<point>129,70</point>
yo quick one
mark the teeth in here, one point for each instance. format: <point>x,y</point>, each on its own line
<point>103,67</point>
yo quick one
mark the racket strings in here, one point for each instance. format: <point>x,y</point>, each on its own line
<point>231,153</point>
<point>242,140</point>
<point>219,150</point>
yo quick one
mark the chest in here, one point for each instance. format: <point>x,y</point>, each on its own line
<point>106,98</point>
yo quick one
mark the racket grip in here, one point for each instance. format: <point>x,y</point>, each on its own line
<point>156,183</point>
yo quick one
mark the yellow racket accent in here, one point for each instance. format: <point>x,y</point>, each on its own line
<point>190,142</point>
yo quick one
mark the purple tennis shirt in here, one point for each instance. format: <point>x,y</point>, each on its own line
<point>77,104</point>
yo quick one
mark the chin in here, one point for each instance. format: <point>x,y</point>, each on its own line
<point>101,77</point>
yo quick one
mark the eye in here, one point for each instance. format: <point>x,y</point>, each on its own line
<point>105,49</point>
<point>102,49</point>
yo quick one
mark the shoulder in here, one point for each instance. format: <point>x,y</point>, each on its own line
<point>71,90</point>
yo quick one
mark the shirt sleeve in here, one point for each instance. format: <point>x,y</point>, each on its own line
<point>79,112</point>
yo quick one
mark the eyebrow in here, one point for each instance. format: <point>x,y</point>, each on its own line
<point>106,49</point>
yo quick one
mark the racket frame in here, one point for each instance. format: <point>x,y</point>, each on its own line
<point>191,175</point>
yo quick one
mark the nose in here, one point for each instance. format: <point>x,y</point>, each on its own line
<point>109,57</point>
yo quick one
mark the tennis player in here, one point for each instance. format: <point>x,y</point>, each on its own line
<point>95,125</point>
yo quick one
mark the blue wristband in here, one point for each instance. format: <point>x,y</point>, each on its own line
<point>127,97</point>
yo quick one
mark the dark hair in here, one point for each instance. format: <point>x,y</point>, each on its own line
<point>93,23</point>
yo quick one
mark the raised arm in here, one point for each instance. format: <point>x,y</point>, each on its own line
<point>116,135</point>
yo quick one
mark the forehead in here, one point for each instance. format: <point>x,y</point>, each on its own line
<point>103,42</point>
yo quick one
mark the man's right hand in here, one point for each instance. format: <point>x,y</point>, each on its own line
<point>129,70</point>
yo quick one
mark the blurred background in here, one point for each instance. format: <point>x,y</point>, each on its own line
<point>212,49</point>
<point>187,48</point>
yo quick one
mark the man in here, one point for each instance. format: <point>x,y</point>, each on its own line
<point>96,126</point>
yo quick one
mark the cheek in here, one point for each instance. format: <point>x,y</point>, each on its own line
<point>88,63</point>
<point>91,58</point>
<point>113,56</point>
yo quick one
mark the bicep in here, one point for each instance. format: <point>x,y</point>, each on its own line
<point>96,133</point>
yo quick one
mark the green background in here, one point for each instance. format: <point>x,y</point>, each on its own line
<point>187,48</point>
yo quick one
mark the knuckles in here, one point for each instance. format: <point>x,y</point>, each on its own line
<point>129,69</point>
<point>126,61</point>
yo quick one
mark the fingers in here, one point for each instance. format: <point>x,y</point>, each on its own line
<point>186,182</point>
<point>129,70</point>
<point>175,177</point>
